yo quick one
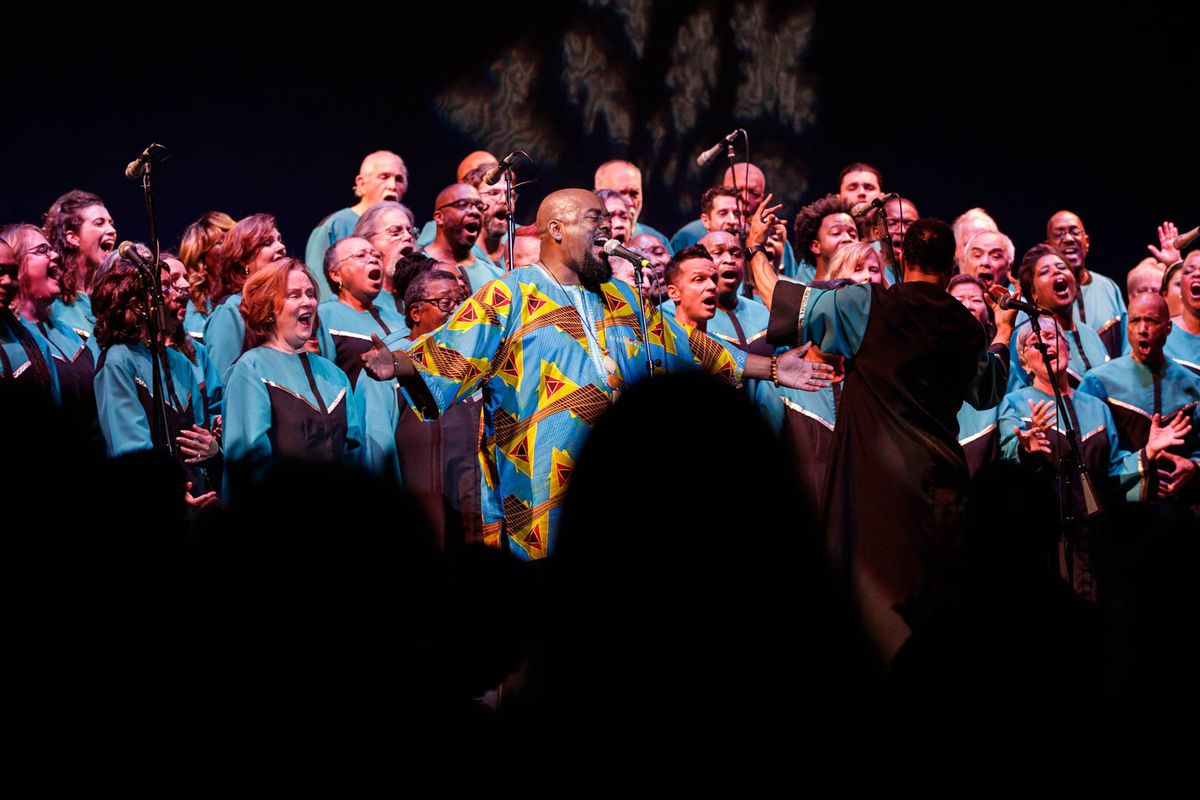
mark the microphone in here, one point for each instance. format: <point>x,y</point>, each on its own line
<point>129,251</point>
<point>154,154</point>
<point>1004,298</point>
<point>711,153</point>
<point>493,175</point>
<point>867,206</point>
<point>1185,239</point>
<point>614,248</point>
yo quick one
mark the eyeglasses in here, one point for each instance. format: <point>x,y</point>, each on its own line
<point>363,256</point>
<point>444,304</point>
<point>42,249</point>
<point>10,270</point>
<point>464,204</point>
<point>396,231</point>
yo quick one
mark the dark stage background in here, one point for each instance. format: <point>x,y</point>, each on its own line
<point>271,107</point>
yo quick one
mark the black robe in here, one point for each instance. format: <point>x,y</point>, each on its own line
<point>897,475</point>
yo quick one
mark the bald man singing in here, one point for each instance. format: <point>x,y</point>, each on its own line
<point>382,176</point>
<point>551,345</point>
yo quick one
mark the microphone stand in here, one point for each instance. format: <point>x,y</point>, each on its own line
<point>743,212</point>
<point>897,273</point>
<point>512,218</point>
<point>638,278</point>
<point>156,325</point>
<point>1070,463</point>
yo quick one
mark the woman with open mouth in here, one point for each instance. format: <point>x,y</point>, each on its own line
<point>250,245</point>
<point>80,229</point>
<point>389,227</point>
<point>283,403</point>
<point>1048,282</point>
<point>37,291</point>
<point>354,270</point>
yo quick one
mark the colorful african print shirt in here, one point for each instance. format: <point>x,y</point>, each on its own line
<point>550,360</point>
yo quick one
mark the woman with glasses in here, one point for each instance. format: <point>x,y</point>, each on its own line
<point>251,244</point>
<point>437,462</point>
<point>283,403</point>
<point>388,226</point>
<point>38,288</point>
<point>125,387</point>
<point>354,271</point>
<point>200,252</point>
<point>25,361</point>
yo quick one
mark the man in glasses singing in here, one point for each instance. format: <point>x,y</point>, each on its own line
<point>458,214</point>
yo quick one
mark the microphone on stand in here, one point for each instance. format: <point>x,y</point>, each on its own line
<point>711,153</point>
<point>867,206</point>
<point>615,248</point>
<point>154,154</point>
<point>493,175</point>
<point>129,251</point>
<point>1005,300</point>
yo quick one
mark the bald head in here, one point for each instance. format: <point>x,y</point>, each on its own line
<point>564,206</point>
<point>1148,324</point>
<point>477,159</point>
<point>453,192</point>
<point>623,177</point>
<point>382,176</point>
<point>569,222</point>
<point>749,181</point>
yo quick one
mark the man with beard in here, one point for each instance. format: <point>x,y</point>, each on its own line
<point>719,210</point>
<point>1099,304</point>
<point>913,355</point>
<point>739,321</point>
<point>821,228</point>
<point>551,345</point>
<point>1144,384</point>
<point>1183,344</point>
<point>382,176</point>
<point>458,214</point>
<point>900,214</point>
<point>490,244</point>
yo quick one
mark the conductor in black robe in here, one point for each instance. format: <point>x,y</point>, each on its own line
<point>897,475</point>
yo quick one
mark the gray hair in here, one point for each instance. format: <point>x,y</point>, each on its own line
<point>1008,243</point>
<point>370,222</point>
<point>973,213</point>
